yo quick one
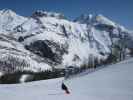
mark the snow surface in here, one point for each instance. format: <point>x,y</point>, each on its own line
<point>114,82</point>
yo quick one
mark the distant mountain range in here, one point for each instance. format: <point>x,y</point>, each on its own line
<point>47,40</point>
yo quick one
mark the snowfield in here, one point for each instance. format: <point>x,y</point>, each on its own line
<point>114,82</point>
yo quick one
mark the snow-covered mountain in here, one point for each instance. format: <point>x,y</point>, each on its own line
<point>67,39</point>
<point>9,20</point>
<point>14,57</point>
<point>60,42</point>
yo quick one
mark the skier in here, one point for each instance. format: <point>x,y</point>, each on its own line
<point>64,87</point>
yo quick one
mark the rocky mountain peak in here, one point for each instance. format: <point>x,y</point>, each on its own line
<point>9,20</point>
<point>104,20</point>
<point>84,18</point>
<point>41,13</point>
<point>7,11</point>
<point>95,19</point>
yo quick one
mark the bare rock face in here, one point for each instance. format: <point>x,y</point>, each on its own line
<point>41,13</point>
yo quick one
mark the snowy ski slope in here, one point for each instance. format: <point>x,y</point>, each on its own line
<point>114,82</point>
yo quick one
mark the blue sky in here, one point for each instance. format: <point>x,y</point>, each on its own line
<point>120,11</point>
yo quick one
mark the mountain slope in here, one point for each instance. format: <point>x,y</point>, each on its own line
<point>60,43</point>
<point>14,57</point>
<point>111,83</point>
<point>61,35</point>
<point>93,35</point>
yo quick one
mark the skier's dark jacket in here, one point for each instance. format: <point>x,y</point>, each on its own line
<point>64,87</point>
